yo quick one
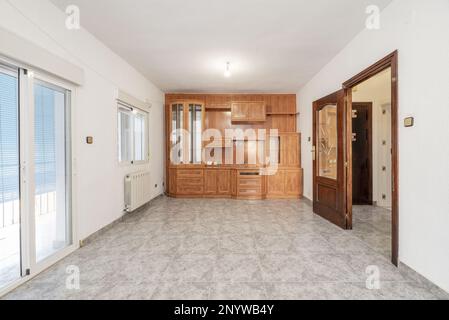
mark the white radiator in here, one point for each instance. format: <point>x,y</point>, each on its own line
<point>137,190</point>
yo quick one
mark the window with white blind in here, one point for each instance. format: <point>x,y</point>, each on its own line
<point>132,135</point>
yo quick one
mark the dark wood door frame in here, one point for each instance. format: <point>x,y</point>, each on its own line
<point>369,107</point>
<point>390,61</point>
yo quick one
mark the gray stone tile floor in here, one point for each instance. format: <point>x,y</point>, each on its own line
<point>226,249</point>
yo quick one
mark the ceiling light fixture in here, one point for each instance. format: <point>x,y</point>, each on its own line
<point>228,73</point>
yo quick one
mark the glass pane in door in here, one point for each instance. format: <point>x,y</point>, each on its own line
<point>327,142</point>
<point>196,130</point>
<point>10,250</point>
<point>52,169</point>
<point>177,126</point>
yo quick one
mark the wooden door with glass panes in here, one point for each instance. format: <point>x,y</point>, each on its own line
<point>329,164</point>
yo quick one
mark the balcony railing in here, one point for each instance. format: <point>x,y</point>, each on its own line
<point>10,210</point>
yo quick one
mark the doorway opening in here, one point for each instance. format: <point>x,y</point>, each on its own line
<point>378,222</point>
<point>371,162</point>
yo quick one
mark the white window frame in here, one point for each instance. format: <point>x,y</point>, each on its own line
<point>133,111</point>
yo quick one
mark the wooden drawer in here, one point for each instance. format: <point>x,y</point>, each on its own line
<point>250,182</point>
<point>189,190</point>
<point>190,173</point>
<point>249,185</point>
<point>192,186</point>
<point>245,192</point>
<point>191,182</point>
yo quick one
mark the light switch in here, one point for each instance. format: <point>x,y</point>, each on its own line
<point>409,122</point>
<point>90,140</point>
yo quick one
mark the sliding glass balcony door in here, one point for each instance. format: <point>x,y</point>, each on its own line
<point>52,170</point>
<point>35,174</point>
<point>10,240</point>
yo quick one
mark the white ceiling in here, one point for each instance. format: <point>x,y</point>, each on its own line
<point>183,45</point>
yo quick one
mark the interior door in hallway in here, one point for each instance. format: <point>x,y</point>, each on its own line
<point>329,159</point>
<point>362,165</point>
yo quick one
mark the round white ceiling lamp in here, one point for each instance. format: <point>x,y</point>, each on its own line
<point>227,72</point>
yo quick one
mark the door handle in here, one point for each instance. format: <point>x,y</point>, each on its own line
<point>314,153</point>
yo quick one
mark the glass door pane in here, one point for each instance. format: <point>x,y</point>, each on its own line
<point>10,247</point>
<point>52,169</point>
<point>177,126</point>
<point>327,142</point>
<point>196,129</point>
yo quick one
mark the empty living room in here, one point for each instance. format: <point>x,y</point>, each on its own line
<point>205,152</point>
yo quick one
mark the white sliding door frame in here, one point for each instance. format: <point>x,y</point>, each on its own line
<point>30,266</point>
<point>37,267</point>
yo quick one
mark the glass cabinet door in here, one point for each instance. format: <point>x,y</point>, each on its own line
<point>177,126</point>
<point>186,132</point>
<point>195,132</point>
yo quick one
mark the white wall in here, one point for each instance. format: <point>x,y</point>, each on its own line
<point>419,30</point>
<point>377,90</point>
<point>99,177</point>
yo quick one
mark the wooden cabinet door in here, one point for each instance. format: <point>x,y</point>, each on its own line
<point>224,182</point>
<point>239,111</point>
<point>287,104</point>
<point>276,184</point>
<point>248,112</point>
<point>257,112</point>
<point>290,150</point>
<point>218,102</point>
<point>210,182</point>
<point>293,183</point>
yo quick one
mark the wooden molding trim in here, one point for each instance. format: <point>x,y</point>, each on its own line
<point>371,71</point>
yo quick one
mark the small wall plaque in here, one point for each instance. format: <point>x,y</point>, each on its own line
<point>90,140</point>
<point>409,122</point>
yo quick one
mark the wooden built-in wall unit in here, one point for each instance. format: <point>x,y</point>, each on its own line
<point>195,174</point>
